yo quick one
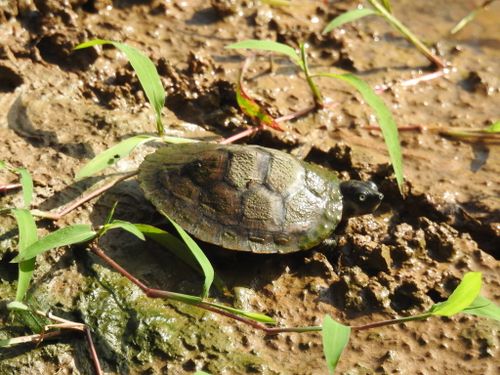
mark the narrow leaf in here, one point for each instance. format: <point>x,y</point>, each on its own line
<point>335,338</point>
<point>483,307</point>
<point>27,236</point>
<point>186,298</point>
<point>111,213</point>
<point>268,45</point>
<point>253,110</point>
<point>17,305</point>
<point>172,243</point>
<point>470,17</point>
<point>203,261</point>
<point>28,317</point>
<point>62,237</point>
<point>125,225</point>
<point>27,185</point>
<point>2,164</point>
<point>493,128</point>
<point>176,247</point>
<point>112,155</point>
<point>146,72</point>
<point>387,5</point>
<point>258,317</point>
<point>347,17</point>
<point>384,117</point>
<point>462,297</point>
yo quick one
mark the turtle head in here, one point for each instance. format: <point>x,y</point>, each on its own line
<point>359,197</point>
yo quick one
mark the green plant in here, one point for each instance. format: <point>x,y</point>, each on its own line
<point>470,17</point>
<point>383,9</point>
<point>465,298</point>
<point>490,133</point>
<point>383,114</point>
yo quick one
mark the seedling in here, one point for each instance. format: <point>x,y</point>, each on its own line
<point>383,114</point>
<point>383,9</point>
<point>488,134</point>
<point>464,299</point>
<point>470,17</point>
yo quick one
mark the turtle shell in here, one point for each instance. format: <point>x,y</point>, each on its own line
<point>247,198</point>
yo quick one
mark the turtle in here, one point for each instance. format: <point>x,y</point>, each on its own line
<point>251,198</point>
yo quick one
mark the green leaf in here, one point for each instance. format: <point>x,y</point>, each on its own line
<point>125,225</point>
<point>470,17</point>
<point>2,164</point>
<point>27,184</point>
<point>462,297</point>
<point>347,17</point>
<point>62,237</point>
<point>335,338</point>
<point>493,128</point>
<point>172,243</point>
<point>483,307</point>
<point>17,305</point>
<point>27,236</point>
<point>268,45</point>
<point>146,72</point>
<point>208,270</point>
<point>111,213</point>
<point>387,5</point>
<point>186,298</point>
<point>176,247</point>
<point>258,317</point>
<point>199,372</point>
<point>253,110</point>
<point>384,117</point>
<point>112,155</point>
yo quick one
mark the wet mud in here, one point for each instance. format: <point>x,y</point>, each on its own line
<point>61,108</point>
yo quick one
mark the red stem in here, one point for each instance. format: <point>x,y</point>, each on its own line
<point>82,200</point>
<point>93,352</point>
<point>158,293</point>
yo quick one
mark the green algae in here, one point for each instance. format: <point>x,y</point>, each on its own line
<point>132,330</point>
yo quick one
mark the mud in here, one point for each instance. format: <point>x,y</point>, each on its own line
<point>61,108</point>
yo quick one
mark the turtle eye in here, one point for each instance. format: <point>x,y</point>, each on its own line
<point>362,197</point>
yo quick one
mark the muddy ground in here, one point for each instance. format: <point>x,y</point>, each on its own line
<point>59,109</point>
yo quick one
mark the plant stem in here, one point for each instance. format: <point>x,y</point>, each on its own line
<point>408,34</point>
<point>93,352</point>
<point>159,126</point>
<point>196,301</point>
<point>318,98</point>
<point>243,134</point>
<point>82,200</point>
<point>7,187</point>
<point>390,321</point>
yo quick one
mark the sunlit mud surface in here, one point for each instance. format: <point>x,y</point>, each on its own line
<point>60,108</point>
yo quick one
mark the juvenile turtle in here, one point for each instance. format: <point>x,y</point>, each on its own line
<point>251,198</point>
